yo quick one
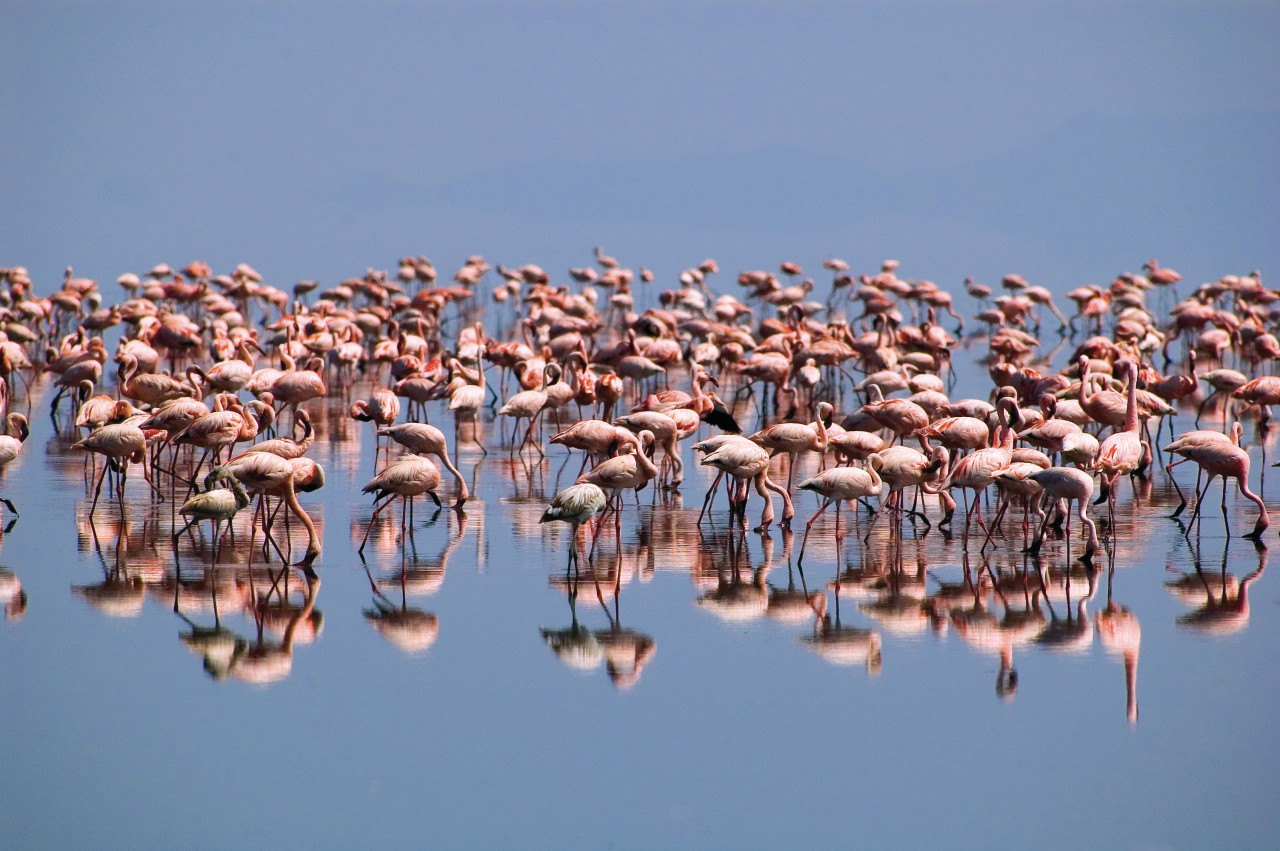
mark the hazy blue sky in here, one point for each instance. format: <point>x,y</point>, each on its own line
<point>1066,141</point>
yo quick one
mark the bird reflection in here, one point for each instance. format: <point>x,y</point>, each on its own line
<point>1223,613</point>
<point>266,661</point>
<point>741,594</point>
<point>219,647</point>
<point>122,592</point>
<point>12,595</point>
<point>624,652</point>
<point>1074,632</point>
<point>1120,634</point>
<point>791,604</point>
<point>985,632</point>
<point>575,645</point>
<point>409,629</point>
<point>844,645</point>
<point>837,643</point>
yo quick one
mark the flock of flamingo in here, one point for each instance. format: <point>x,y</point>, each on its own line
<point>214,375</point>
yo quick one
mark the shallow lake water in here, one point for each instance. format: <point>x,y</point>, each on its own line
<point>693,686</point>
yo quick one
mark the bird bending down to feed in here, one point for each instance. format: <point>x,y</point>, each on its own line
<point>216,504</point>
<point>575,505</point>
<point>409,476</point>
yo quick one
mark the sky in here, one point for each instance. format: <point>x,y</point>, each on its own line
<point>1065,141</point>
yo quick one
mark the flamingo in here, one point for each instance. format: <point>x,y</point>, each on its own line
<point>382,408</point>
<point>295,386</point>
<point>220,429</point>
<point>527,405</point>
<point>265,474</point>
<point>1015,480</point>
<point>794,438</point>
<point>746,461</point>
<point>287,447</point>
<point>425,439</point>
<point>575,505</point>
<point>467,398</point>
<point>838,485</point>
<point>216,504</point>
<point>149,388</point>
<point>1189,440</point>
<point>231,375</point>
<point>1225,459</point>
<point>16,432</point>
<point>410,476</point>
<point>974,471</point>
<point>631,469</point>
<point>664,429</point>
<point>119,443</point>
<point>1124,451</point>
<point>1263,392</point>
<point>1062,485</point>
<point>957,433</point>
<point>1224,381</point>
<point>898,415</point>
<point>902,467</point>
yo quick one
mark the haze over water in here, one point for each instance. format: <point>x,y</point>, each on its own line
<point>1065,143</point>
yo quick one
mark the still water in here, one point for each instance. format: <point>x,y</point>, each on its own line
<point>695,687</point>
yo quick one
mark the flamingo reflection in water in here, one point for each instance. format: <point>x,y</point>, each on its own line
<point>624,652</point>
<point>1226,613</point>
<point>840,644</point>
<point>1121,635</point>
<point>266,662</point>
<point>12,595</point>
<point>987,633</point>
<point>409,629</point>
<point>1073,633</point>
<point>219,646</point>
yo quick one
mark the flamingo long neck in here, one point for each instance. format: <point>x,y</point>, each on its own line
<point>313,540</point>
<point>644,462</point>
<point>128,370</point>
<point>1131,400</point>
<point>821,429</point>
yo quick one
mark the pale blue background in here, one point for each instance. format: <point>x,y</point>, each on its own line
<point>1065,141</point>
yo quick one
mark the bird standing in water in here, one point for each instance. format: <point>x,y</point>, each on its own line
<point>216,504</point>
<point>575,505</point>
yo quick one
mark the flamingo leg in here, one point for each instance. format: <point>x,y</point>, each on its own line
<point>711,491</point>
<point>369,528</point>
<point>805,540</point>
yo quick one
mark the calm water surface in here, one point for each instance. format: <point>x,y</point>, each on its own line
<point>695,688</point>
